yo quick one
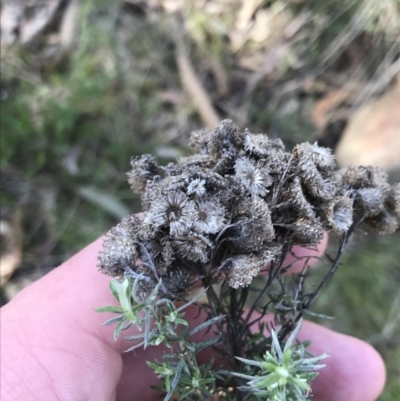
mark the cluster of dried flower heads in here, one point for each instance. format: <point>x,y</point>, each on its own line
<point>231,208</point>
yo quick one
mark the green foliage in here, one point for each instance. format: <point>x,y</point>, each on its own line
<point>283,374</point>
<point>70,131</point>
<point>159,321</point>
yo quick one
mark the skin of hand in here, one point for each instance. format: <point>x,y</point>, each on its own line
<point>53,346</point>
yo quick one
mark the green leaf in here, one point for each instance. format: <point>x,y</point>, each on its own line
<point>207,381</point>
<point>104,201</point>
<point>250,362</point>
<point>122,325</point>
<point>207,343</point>
<point>302,383</point>
<point>148,336</point>
<point>152,365</point>
<point>275,345</point>
<point>287,356</point>
<point>205,324</point>
<point>192,301</point>
<point>115,288</point>
<point>243,376</point>
<point>267,381</point>
<point>293,336</point>
<point>175,381</point>
<point>135,337</point>
<point>134,347</point>
<point>113,320</point>
<point>183,322</point>
<point>160,339</point>
<point>186,393</point>
<point>112,309</point>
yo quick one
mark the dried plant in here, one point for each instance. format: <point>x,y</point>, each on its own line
<point>232,210</point>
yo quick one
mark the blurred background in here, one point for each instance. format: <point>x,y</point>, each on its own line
<point>85,85</point>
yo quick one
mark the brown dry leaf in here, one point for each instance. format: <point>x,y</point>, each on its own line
<point>198,95</point>
<point>9,18</point>
<point>69,26</point>
<point>372,136</point>
<point>241,30</point>
<point>43,14</point>
<point>265,63</point>
<point>191,82</point>
<point>10,246</point>
<point>324,106</point>
<point>265,32</point>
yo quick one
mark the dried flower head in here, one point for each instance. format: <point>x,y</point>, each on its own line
<point>307,232</point>
<point>242,269</point>
<point>144,169</point>
<point>339,214</point>
<point>193,247</point>
<point>260,146</point>
<point>321,157</point>
<point>254,177</point>
<point>210,217</point>
<point>233,206</point>
<point>253,227</point>
<point>196,187</point>
<point>199,140</point>
<point>372,200</point>
<point>393,200</point>
<point>174,211</point>
<point>225,141</point>
<point>120,250</point>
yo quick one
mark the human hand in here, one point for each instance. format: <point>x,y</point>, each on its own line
<point>54,348</point>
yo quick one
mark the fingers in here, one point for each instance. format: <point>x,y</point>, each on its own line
<point>354,370</point>
<point>51,347</point>
<point>137,378</point>
<point>300,255</point>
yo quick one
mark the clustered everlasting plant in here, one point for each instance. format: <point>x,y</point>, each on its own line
<point>219,218</point>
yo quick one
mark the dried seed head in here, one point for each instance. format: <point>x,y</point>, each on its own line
<point>357,177</point>
<point>321,157</point>
<point>371,201</point>
<point>144,169</point>
<point>243,268</point>
<point>193,246</point>
<point>173,211</point>
<point>253,228</point>
<point>159,251</point>
<point>177,280</point>
<point>239,198</point>
<point>199,140</point>
<point>210,217</point>
<point>196,187</point>
<point>393,200</point>
<point>254,177</point>
<point>317,186</point>
<point>119,252</point>
<point>295,193</point>
<point>383,223</point>
<point>260,146</point>
<point>307,232</point>
<point>225,141</point>
<point>339,214</point>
